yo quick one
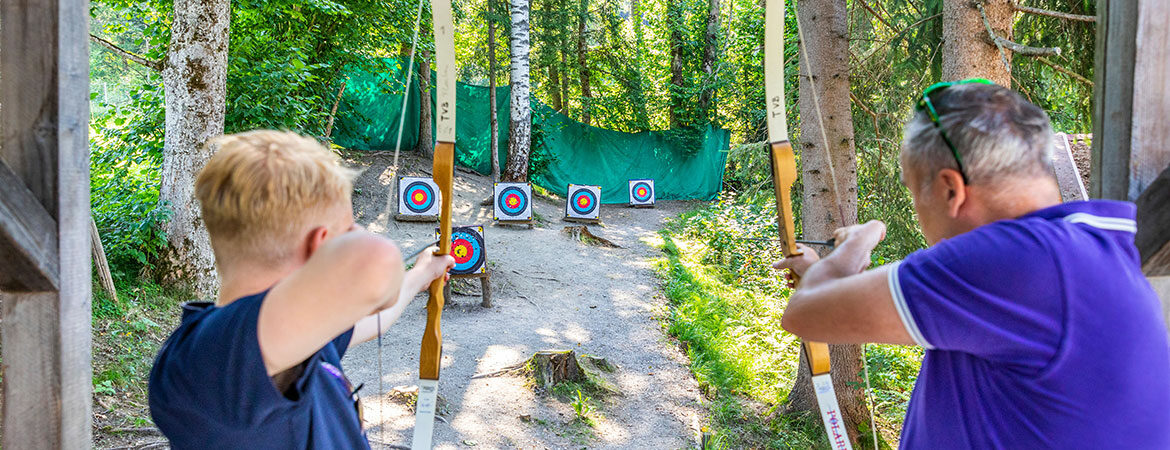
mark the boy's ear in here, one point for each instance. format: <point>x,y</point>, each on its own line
<point>314,240</point>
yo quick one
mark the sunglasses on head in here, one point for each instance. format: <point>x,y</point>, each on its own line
<point>925,104</point>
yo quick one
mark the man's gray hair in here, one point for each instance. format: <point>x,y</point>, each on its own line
<point>997,133</point>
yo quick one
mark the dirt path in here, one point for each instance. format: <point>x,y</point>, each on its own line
<point>549,292</point>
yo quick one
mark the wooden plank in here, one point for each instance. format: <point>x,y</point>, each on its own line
<point>1153,223</point>
<point>1150,137</point>
<point>1161,286</point>
<point>1064,167</point>
<point>44,87</point>
<point>1113,97</point>
<point>28,238</point>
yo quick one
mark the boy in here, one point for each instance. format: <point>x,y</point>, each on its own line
<point>301,283</point>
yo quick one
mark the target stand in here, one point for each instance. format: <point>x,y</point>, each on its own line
<point>642,193</point>
<point>470,252</point>
<point>512,204</point>
<point>418,200</point>
<point>583,204</point>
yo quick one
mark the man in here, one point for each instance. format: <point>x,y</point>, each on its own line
<point>261,368</point>
<point>1040,330</point>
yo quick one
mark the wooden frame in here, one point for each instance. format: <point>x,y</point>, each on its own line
<point>44,224</point>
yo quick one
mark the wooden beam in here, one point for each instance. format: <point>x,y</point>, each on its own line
<point>1153,220</point>
<point>44,87</point>
<point>28,238</point>
<point>1113,98</point>
<point>1132,99</point>
<point>1068,178</point>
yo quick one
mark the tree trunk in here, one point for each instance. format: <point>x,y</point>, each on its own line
<point>583,63</point>
<point>195,86</point>
<point>554,88</point>
<point>520,134</point>
<point>675,22</point>
<point>826,33</point>
<point>967,50</point>
<point>426,134</point>
<point>495,123</point>
<point>710,53</point>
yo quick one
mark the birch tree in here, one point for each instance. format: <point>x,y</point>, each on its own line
<point>520,133</point>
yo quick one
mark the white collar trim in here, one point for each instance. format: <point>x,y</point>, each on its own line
<point>1104,223</point>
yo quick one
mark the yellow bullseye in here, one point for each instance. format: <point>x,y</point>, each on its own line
<point>460,251</point>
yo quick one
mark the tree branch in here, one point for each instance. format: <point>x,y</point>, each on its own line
<point>1074,75</point>
<point>126,54</point>
<point>1057,14</point>
<point>1002,43</point>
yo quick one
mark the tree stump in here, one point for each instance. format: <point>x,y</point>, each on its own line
<point>549,368</point>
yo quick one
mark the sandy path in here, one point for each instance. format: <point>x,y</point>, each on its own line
<point>549,292</point>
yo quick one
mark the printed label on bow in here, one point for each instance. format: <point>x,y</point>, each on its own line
<point>831,412</point>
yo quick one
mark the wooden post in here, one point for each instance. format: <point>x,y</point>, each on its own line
<point>1131,135</point>
<point>1132,98</point>
<point>44,229</point>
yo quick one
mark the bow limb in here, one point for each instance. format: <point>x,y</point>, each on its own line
<point>443,173</point>
<point>783,176</point>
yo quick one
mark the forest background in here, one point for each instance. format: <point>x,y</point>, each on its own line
<point>627,65</point>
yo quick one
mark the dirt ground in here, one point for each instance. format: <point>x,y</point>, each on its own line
<point>549,292</point>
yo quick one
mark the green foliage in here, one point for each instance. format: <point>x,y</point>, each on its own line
<point>582,408</point>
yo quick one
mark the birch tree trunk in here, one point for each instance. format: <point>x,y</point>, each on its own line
<point>426,135</point>
<point>495,123</point>
<point>583,63</point>
<point>520,134</point>
<point>826,40</point>
<point>195,85</point>
<point>967,50</point>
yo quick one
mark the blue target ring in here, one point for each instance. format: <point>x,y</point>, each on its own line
<point>583,202</point>
<point>467,250</point>
<point>512,201</point>
<point>419,197</point>
<point>642,192</point>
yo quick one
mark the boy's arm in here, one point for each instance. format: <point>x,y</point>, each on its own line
<point>347,278</point>
<point>416,280</point>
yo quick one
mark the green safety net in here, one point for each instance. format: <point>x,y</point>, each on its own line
<point>568,151</point>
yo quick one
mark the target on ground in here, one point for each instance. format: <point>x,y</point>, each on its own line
<point>583,202</point>
<point>513,201</point>
<point>468,249</point>
<point>641,192</point>
<point>418,196</point>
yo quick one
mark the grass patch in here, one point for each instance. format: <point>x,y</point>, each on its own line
<point>725,307</point>
<point>127,334</point>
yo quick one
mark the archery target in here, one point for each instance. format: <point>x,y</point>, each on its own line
<point>418,196</point>
<point>513,201</point>
<point>583,202</point>
<point>641,192</point>
<point>467,247</point>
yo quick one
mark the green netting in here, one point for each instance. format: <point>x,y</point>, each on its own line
<point>573,152</point>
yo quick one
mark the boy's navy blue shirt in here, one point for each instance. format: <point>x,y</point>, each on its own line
<point>1040,332</point>
<point>209,388</point>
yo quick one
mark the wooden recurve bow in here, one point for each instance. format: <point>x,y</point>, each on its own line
<point>443,174</point>
<point>783,176</point>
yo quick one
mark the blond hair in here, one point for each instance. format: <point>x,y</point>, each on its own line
<point>263,189</point>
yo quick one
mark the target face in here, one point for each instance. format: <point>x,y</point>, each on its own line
<point>512,201</point>
<point>467,247</point>
<point>418,196</point>
<point>641,192</point>
<point>583,202</point>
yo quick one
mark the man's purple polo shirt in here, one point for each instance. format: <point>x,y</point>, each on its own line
<point>1041,332</point>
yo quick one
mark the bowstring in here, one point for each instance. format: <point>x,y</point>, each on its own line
<point>406,87</point>
<point>837,197</point>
